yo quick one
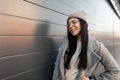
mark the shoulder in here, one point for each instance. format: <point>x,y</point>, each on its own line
<point>93,43</point>
<point>64,42</point>
<point>97,46</point>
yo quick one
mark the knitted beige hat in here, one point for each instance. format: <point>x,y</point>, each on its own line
<point>82,15</point>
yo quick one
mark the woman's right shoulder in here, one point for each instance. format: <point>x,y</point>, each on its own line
<point>64,42</point>
<point>65,39</point>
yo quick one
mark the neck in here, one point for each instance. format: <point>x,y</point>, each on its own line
<point>79,38</point>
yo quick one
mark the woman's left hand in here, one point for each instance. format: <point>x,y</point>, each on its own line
<point>85,78</point>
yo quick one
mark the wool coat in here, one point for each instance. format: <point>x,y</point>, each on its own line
<point>96,53</point>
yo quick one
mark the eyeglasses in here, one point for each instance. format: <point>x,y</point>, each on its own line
<point>72,22</point>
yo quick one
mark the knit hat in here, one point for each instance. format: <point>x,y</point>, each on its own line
<point>82,15</point>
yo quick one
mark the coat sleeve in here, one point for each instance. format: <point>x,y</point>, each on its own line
<point>56,73</point>
<point>112,69</point>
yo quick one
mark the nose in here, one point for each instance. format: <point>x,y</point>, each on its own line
<point>71,25</point>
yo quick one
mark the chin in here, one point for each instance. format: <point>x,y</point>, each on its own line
<point>74,34</point>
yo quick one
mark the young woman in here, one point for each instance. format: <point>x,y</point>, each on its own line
<point>80,54</point>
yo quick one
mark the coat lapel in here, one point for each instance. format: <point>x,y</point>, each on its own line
<point>93,60</point>
<point>93,57</point>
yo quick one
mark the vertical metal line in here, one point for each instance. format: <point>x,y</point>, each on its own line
<point>113,34</point>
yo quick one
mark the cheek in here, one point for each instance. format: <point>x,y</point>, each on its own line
<point>79,29</point>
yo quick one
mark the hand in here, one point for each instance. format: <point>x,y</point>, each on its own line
<point>85,78</point>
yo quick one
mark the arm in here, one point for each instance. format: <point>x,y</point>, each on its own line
<point>112,70</point>
<point>56,73</point>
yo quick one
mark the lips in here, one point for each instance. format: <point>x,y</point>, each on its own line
<point>72,30</point>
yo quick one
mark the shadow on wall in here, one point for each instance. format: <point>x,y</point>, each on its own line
<point>44,44</point>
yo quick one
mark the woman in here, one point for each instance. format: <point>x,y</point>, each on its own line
<point>80,54</point>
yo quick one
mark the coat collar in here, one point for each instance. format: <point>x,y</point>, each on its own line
<point>93,57</point>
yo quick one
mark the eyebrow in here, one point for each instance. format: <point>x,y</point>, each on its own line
<point>72,20</point>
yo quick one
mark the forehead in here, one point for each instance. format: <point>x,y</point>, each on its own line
<point>72,19</point>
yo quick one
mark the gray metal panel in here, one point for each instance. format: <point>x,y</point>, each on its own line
<point>31,31</point>
<point>23,9</point>
<point>24,27</point>
<point>55,5</point>
<point>29,36</point>
<point>13,65</point>
<point>12,45</point>
<point>117,38</point>
<point>36,74</point>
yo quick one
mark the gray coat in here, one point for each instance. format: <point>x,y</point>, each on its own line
<point>96,53</point>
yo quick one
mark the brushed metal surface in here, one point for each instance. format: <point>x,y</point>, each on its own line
<point>23,27</point>
<point>30,34</point>
<point>26,10</point>
<point>18,64</point>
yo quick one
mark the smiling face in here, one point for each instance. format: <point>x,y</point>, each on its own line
<point>74,26</point>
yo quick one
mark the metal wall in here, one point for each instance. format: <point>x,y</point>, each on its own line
<point>32,30</point>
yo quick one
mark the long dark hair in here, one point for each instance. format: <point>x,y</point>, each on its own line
<point>82,58</point>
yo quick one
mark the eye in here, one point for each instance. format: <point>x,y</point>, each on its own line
<point>74,22</point>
